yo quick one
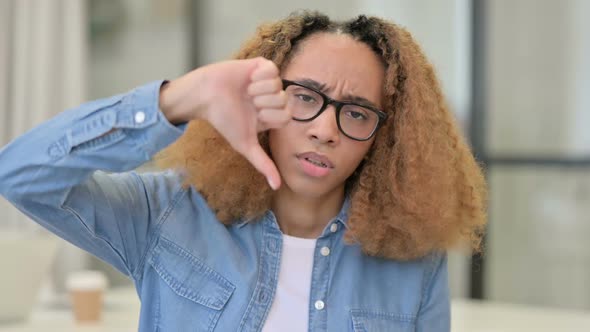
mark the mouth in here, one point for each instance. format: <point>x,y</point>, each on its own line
<point>315,165</point>
<point>316,162</point>
<point>316,159</point>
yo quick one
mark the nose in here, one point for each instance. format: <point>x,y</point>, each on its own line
<point>324,128</point>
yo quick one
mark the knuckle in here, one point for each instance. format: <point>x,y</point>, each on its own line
<point>278,85</point>
<point>259,100</point>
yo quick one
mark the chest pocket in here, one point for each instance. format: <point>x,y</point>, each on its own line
<point>372,321</point>
<point>191,294</point>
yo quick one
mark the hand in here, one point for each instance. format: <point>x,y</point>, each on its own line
<point>240,98</point>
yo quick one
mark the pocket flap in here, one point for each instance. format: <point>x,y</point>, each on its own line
<point>369,321</point>
<point>189,277</point>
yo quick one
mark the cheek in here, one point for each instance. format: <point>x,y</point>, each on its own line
<point>279,141</point>
<point>358,153</point>
<point>286,136</point>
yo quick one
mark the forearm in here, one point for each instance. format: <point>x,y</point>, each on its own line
<point>114,134</point>
<point>185,98</point>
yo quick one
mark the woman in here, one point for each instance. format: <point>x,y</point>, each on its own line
<point>346,122</point>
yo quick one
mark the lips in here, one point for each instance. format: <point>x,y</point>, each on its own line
<point>314,165</point>
<point>316,159</point>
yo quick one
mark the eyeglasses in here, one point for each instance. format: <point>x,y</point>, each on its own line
<point>358,122</point>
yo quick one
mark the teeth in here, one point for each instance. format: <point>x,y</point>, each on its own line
<point>317,163</point>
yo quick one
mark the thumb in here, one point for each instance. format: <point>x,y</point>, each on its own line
<point>262,162</point>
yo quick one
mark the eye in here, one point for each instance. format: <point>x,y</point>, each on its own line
<point>357,115</point>
<point>306,98</point>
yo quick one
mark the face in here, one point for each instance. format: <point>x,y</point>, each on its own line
<point>315,158</point>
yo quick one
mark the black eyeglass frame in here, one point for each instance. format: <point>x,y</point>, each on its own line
<point>382,116</point>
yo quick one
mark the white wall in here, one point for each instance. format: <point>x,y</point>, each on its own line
<point>136,41</point>
<point>43,65</point>
<point>228,23</point>
<point>539,105</point>
<point>539,70</point>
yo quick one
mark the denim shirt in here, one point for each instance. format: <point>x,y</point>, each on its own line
<point>74,175</point>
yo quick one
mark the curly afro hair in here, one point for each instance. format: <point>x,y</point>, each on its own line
<point>418,190</point>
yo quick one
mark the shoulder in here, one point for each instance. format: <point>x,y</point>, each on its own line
<point>432,266</point>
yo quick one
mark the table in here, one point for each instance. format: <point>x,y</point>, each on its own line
<point>120,314</point>
<point>488,316</point>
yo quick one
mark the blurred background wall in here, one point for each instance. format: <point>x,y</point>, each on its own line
<point>515,73</point>
<point>44,67</point>
<point>538,141</point>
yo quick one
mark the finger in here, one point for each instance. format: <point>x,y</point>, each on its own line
<point>277,100</point>
<point>266,69</point>
<point>262,87</point>
<point>262,162</point>
<point>274,118</point>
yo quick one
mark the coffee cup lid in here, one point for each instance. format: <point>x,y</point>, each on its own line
<point>86,280</point>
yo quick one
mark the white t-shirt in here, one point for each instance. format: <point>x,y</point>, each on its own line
<point>290,308</point>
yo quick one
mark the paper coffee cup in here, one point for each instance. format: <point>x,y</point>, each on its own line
<point>86,289</point>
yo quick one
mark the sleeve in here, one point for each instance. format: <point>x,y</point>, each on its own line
<point>67,175</point>
<point>435,310</point>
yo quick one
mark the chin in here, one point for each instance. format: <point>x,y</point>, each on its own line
<point>309,187</point>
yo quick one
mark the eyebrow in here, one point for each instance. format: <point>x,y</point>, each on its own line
<point>349,98</point>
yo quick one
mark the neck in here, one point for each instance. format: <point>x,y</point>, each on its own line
<point>304,216</point>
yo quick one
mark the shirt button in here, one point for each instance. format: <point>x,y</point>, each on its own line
<point>262,296</point>
<point>319,304</point>
<point>325,251</point>
<point>139,117</point>
<point>334,228</point>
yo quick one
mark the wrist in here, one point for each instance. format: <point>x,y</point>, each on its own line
<point>168,106</point>
<point>181,99</point>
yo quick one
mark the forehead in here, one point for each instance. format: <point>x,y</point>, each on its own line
<point>340,62</point>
